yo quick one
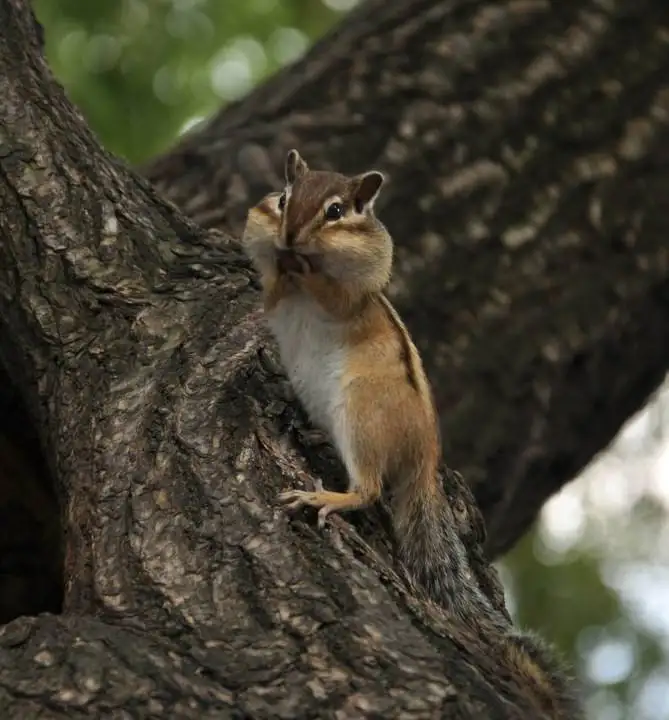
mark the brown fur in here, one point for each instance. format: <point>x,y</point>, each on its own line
<point>390,403</point>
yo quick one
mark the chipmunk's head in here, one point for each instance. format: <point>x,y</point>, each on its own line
<point>317,207</point>
<point>329,216</point>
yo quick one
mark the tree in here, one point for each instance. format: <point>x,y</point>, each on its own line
<point>160,409</point>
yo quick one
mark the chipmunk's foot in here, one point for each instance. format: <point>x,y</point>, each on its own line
<point>297,499</point>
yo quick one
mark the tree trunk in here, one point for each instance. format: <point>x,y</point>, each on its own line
<point>526,145</point>
<point>168,428</point>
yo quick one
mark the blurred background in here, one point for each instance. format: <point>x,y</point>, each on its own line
<point>593,576</point>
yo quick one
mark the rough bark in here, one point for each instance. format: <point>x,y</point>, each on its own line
<point>167,428</point>
<point>526,143</point>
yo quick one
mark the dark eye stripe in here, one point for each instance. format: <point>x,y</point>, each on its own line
<point>282,201</point>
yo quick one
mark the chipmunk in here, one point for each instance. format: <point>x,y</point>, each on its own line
<point>324,260</point>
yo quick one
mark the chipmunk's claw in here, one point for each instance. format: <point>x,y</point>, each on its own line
<point>292,499</point>
<point>322,516</point>
<point>298,498</point>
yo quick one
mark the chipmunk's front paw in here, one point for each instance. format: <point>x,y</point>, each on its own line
<point>292,263</point>
<point>305,265</point>
<point>296,499</point>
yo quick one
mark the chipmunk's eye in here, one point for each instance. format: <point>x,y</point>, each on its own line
<point>334,211</point>
<point>282,201</point>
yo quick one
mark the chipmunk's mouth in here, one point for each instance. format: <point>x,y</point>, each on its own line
<point>291,260</point>
<point>287,260</point>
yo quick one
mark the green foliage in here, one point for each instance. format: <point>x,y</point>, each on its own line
<point>140,70</point>
<point>547,596</point>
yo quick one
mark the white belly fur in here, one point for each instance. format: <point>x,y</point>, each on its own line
<point>313,355</point>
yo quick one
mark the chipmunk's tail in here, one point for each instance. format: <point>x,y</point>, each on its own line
<point>430,547</point>
<point>436,561</point>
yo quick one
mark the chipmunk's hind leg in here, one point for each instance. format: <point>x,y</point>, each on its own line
<point>361,451</point>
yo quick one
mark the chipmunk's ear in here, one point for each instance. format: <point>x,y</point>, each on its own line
<point>295,166</point>
<point>366,190</point>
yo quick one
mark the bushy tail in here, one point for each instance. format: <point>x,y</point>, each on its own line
<point>436,561</point>
<point>541,666</point>
<point>432,552</point>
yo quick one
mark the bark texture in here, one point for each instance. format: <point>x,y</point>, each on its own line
<point>167,428</point>
<point>526,143</point>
